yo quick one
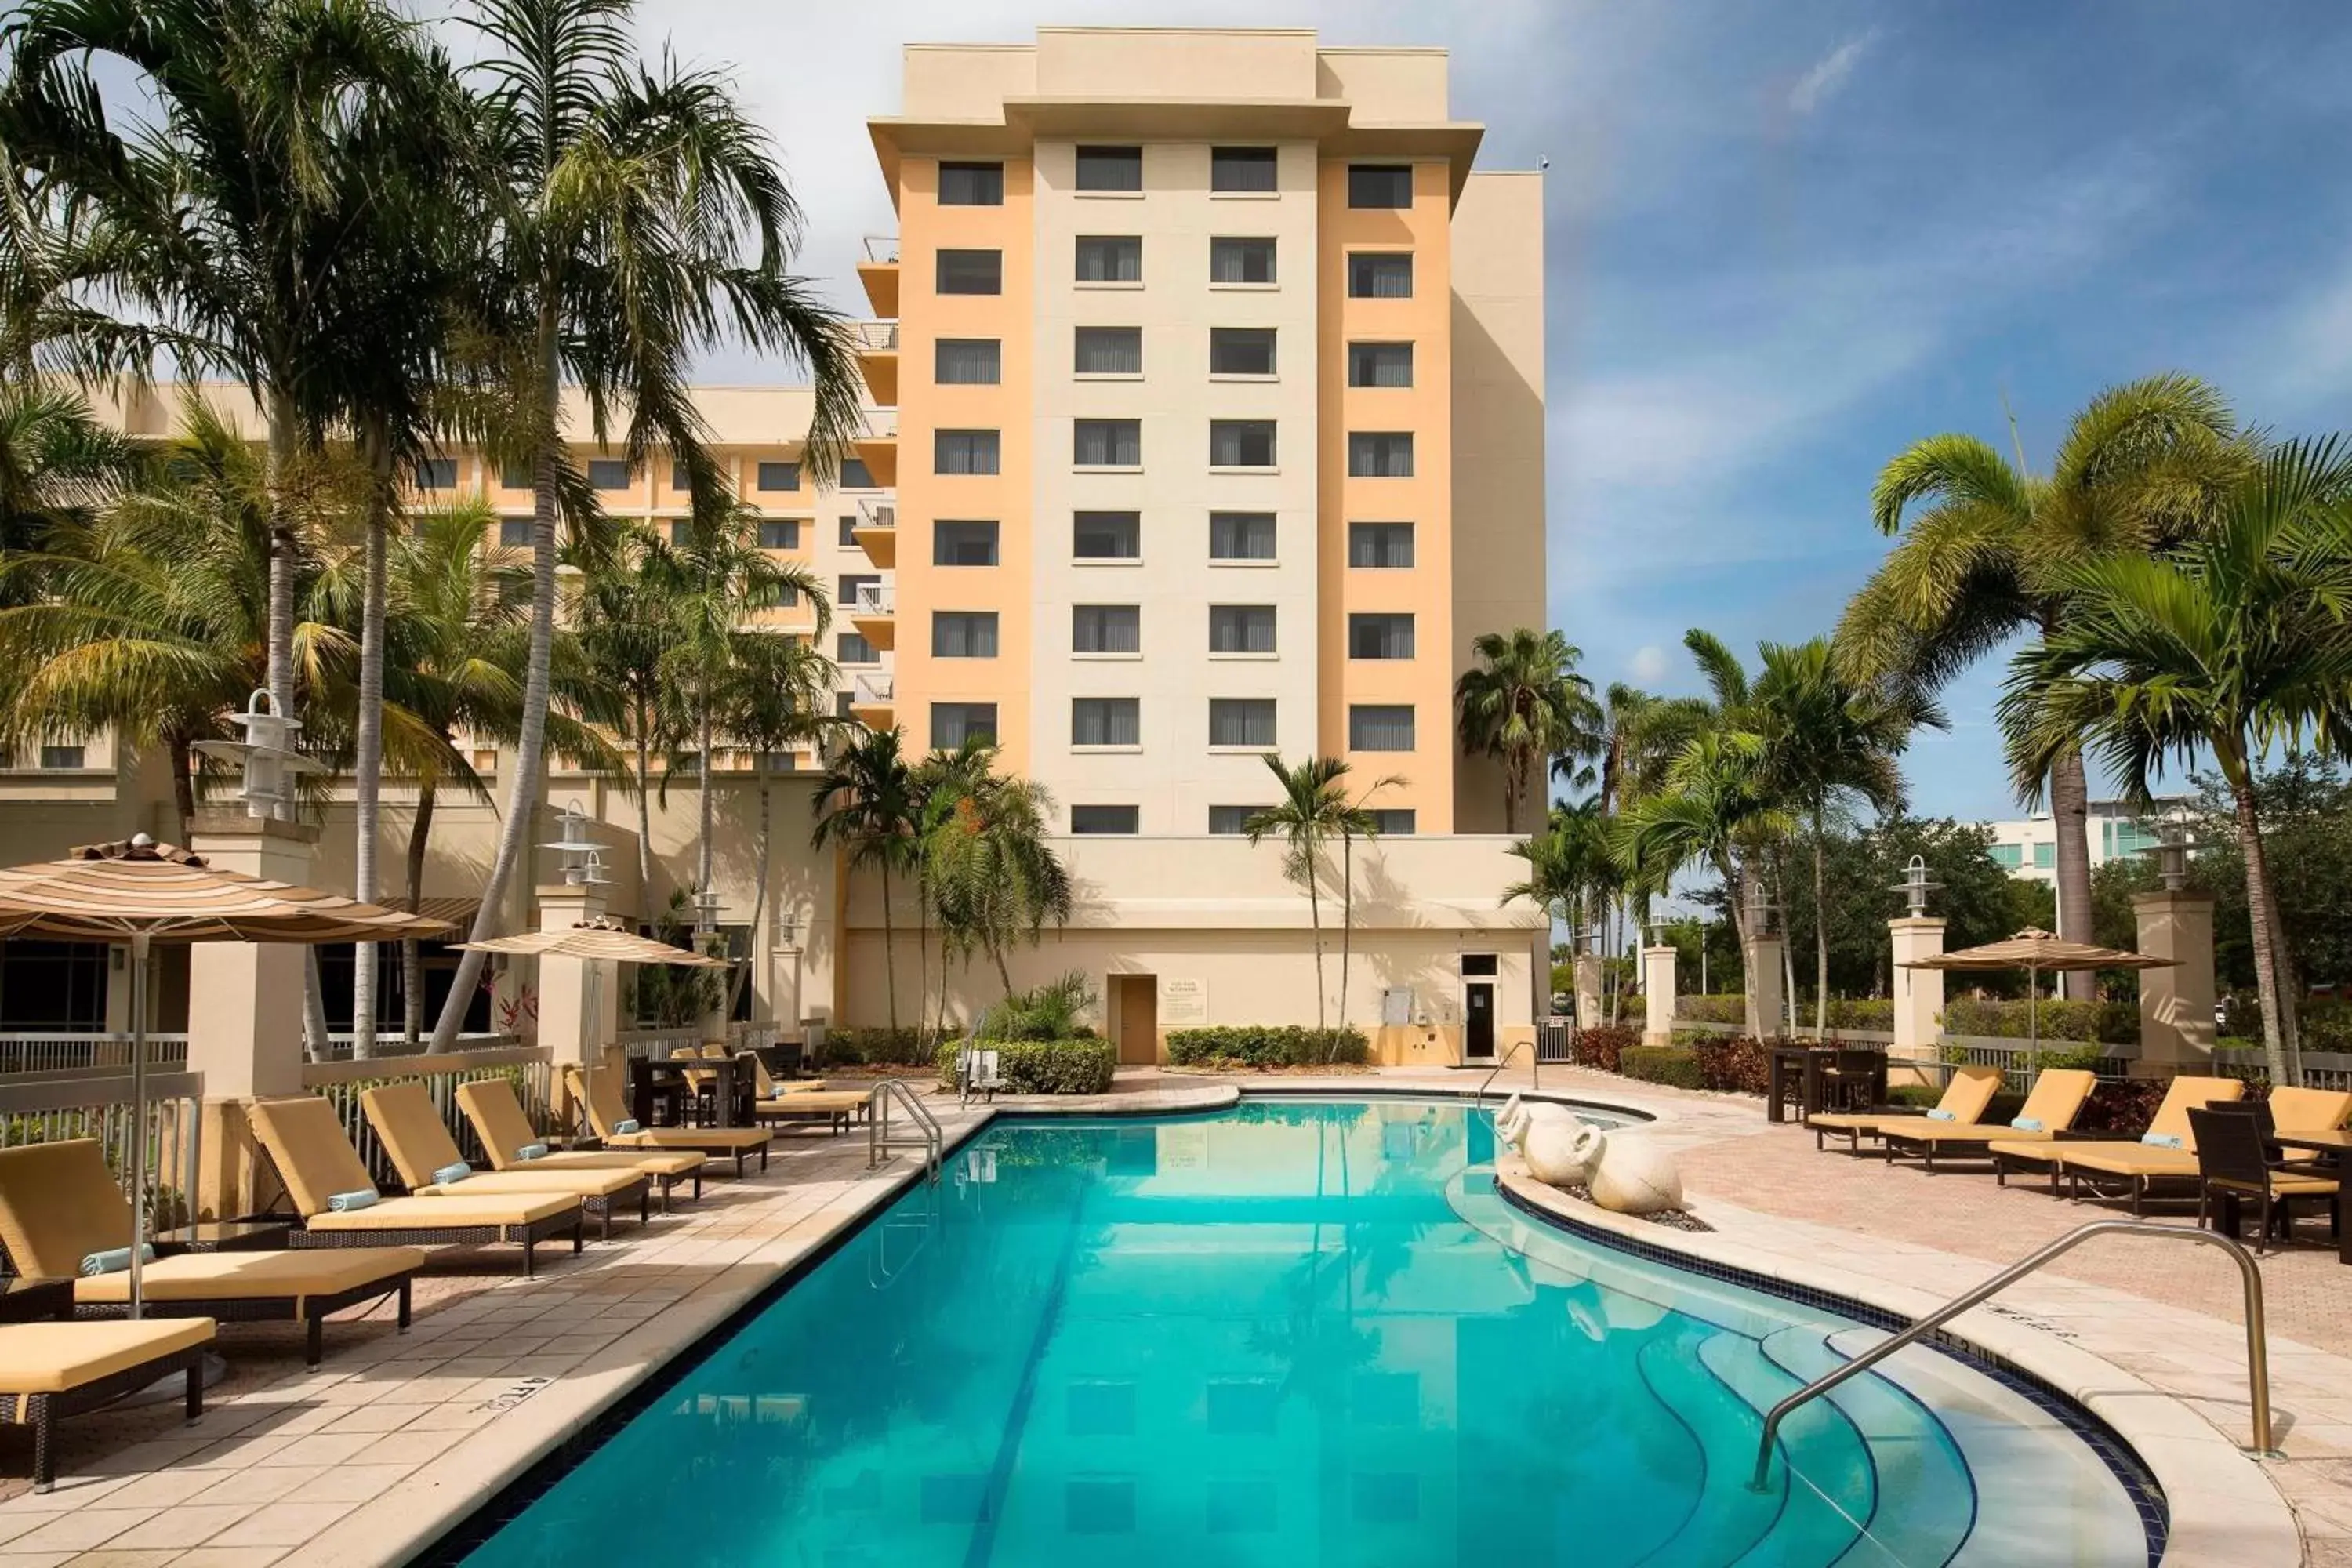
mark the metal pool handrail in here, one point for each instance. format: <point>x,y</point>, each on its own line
<point>1535,1071</point>
<point>929,1136</point>
<point>2258,1370</point>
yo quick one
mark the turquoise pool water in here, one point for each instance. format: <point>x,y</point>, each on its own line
<point>1298,1335</point>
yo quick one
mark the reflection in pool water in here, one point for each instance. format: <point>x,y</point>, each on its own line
<point>1297,1333</point>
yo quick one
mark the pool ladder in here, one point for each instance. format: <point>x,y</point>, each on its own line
<point>879,1139</point>
<point>2257,1365</point>
<point>1535,1072</point>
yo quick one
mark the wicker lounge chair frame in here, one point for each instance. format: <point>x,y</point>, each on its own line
<point>42,1412</point>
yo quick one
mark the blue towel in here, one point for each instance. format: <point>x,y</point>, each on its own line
<point>626,1124</point>
<point>448,1174</point>
<point>1940,1114</point>
<point>2161,1140</point>
<point>532,1152</point>
<point>114,1260</point>
<point>2026,1123</point>
<point>345,1202</point>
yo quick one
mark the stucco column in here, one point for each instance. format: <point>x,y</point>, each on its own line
<point>245,1007</point>
<point>1589,1013</point>
<point>1766,1017</point>
<point>2176,1005</point>
<point>1658,995</point>
<point>1918,992</point>
<point>564,1014</point>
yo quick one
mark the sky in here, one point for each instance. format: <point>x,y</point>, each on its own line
<point>1782,242</point>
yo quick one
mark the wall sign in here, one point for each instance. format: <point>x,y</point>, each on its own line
<point>1183,1003</point>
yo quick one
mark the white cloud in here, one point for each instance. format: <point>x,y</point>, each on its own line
<point>1829,73</point>
<point>1648,664</point>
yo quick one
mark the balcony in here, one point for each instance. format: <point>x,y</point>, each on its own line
<point>879,272</point>
<point>876,531</point>
<point>876,615</point>
<point>872,700</point>
<point>877,357</point>
<point>877,445</point>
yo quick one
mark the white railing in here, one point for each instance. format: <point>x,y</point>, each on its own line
<point>882,249</point>
<point>97,1103</point>
<point>65,1050</point>
<point>527,1067</point>
<point>657,1043</point>
<point>878,424</point>
<point>752,1034</point>
<point>872,690</point>
<point>341,1043</point>
<point>879,336</point>
<point>877,599</point>
<point>874,514</point>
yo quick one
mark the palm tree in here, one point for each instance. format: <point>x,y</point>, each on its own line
<point>641,219</point>
<point>1523,703</point>
<point>994,875</point>
<point>1986,546</point>
<point>1313,811</point>
<point>770,699</point>
<point>1639,736</point>
<point>58,463</point>
<point>2235,642</point>
<point>864,808</point>
<point>1569,867</point>
<point>934,786</point>
<point>622,612</point>
<point>1358,821</point>
<point>1716,806</point>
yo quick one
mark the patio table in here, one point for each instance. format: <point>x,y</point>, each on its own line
<point>649,1076</point>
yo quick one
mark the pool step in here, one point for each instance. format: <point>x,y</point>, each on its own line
<point>1729,1519</point>
<point>1830,1496</point>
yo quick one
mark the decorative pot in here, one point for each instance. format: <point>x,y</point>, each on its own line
<point>1633,1176</point>
<point>1560,1147</point>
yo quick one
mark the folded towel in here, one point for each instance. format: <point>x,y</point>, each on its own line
<point>532,1152</point>
<point>449,1173</point>
<point>114,1260</point>
<point>345,1202</point>
<point>626,1124</point>
<point>2026,1123</point>
<point>2161,1140</point>
<point>1940,1114</point>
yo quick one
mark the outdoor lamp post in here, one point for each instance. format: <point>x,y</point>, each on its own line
<point>706,904</point>
<point>574,849</point>
<point>1915,887</point>
<point>266,758</point>
<point>2172,850</point>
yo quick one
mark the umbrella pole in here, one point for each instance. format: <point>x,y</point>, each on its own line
<point>592,1044</point>
<point>138,942</point>
<point>2032,1024</point>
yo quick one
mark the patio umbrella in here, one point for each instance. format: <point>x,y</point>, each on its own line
<point>598,941</point>
<point>143,893</point>
<point>2037,951</point>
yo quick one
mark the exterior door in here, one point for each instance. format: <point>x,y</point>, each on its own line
<point>1136,998</point>
<point>1478,1021</point>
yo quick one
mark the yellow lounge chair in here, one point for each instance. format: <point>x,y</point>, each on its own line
<point>2058,1096</point>
<point>602,1100</point>
<point>412,1133</point>
<point>2133,1160</point>
<point>504,1131</point>
<point>58,1204</point>
<point>1969,1090</point>
<point>2308,1110</point>
<point>794,1101</point>
<point>317,1163</point>
<point>49,1369</point>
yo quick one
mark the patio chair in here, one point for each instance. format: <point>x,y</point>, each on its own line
<point>2167,1149</point>
<point>2232,1162</point>
<point>505,1132</point>
<point>59,1204</point>
<point>431,1165</point>
<point>2057,1097</point>
<point>1850,1081</point>
<point>323,1174</point>
<point>1965,1095</point>
<point>808,1100</point>
<point>49,1370</point>
<point>602,1098</point>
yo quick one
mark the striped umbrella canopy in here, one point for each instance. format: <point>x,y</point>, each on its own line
<point>139,891</point>
<point>2035,950</point>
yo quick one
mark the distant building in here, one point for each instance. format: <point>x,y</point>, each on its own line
<point>2028,847</point>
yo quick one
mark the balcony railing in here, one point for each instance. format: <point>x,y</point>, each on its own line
<point>877,599</point>
<point>872,690</point>
<point>874,514</point>
<point>880,337</point>
<point>882,249</point>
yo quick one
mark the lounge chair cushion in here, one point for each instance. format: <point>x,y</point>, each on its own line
<point>829,1102</point>
<point>581,1183</point>
<point>2309,1109</point>
<point>1928,1132</point>
<point>499,1122</point>
<point>58,1202</point>
<point>255,1276</point>
<point>50,1358</point>
<point>455,1211</point>
<point>2192,1093</point>
<point>313,1156</point>
<point>2057,1097</point>
<point>2020,1146</point>
<point>2122,1159</point>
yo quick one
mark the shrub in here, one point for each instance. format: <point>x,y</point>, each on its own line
<point>1058,1067</point>
<point>1915,1096</point>
<point>2122,1107</point>
<point>1662,1063</point>
<point>2322,1024</point>
<point>1265,1046</point>
<point>1856,1013</point>
<point>872,1047</point>
<point>1727,1007</point>
<point>2108,1023</point>
<point>1739,1063</point>
<point>1602,1049</point>
<point>1048,1012</point>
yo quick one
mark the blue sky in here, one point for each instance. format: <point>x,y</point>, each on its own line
<point>1783,241</point>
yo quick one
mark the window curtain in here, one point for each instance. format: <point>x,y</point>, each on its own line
<point>1110,350</point>
<point>1108,443</point>
<point>1241,722</point>
<point>1240,536</point>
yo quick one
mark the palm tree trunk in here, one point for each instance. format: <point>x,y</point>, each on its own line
<point>412,952</point>
<point>1315,916</point>
<point>702,796</point>
<point>1347,919</point>
<point>1515,787</point>
<point>2276,999</point>
<point>2070,808</point>
<point>1003,975</point>
<point>889,955</point>
<point>923,952</point>
<point>645,813</point>
<point>736,981</point>
<point>279,653</point>
<point>1821,934</point>
<point>532,745</point>
<point>367,760</point>
<point>183,784</point>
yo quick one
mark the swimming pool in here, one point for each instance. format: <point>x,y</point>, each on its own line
<point>1298,1333</point>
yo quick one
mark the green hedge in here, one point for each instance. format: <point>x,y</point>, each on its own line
<point>2108,1023</point>
<point>872,1047</point>
<point>1846,1012</point>
<point>1662,1063</point>
<point>2323,1023</point>
<point>1265,1046</point>
<point>1082,1065</point>
<point>1724,1007</point>
<point>1602,1049</point>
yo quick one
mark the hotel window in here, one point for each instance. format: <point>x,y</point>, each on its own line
<point>1232,821</point>
<point>779,476</point>
<point>1240,628</point>
<point>514,533</point>
<point>2010,856</point>
<point>608,473</point>
<point>681,533</point>
<point>1106,721</point>
<point>1241,350</point>
<point>1241,722</point>
<point>1107,536</point>
<point>1240,536</point>
<point>1109,351</point>
<point>2045,855</point>
<point>1110,258</point>
<point>1110,168</point>
<point>1241,443</point>
<point>1242,168</point>
<point>1380,185</point>
<point>1106,628</point>
<point>1380,727</point>
<point>515,476</point>
<point>963,634</point>
<point>1241,260</point>
<point>1380,364</point>
<point>1107,443</point>
<point>1117,819</point>
<point>1379,544</point>
<point>1380,454</point>
<point>437,474</point>
<point>963,451</point>
<point>855,476</point>
<point>1379,636</point>
<point>968,362</point>
<point>971,272</point>
<point>61,756</point>
<point>847,535</point>
<point>963,544</point>
<point>971,184</point>
<point>851,583</point>
<point>1393,822</point>
<point>954,723</point>
<point>681,478</point>
<point>848,647</point>
<point>1380,275</point>
<point>780,533</point>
